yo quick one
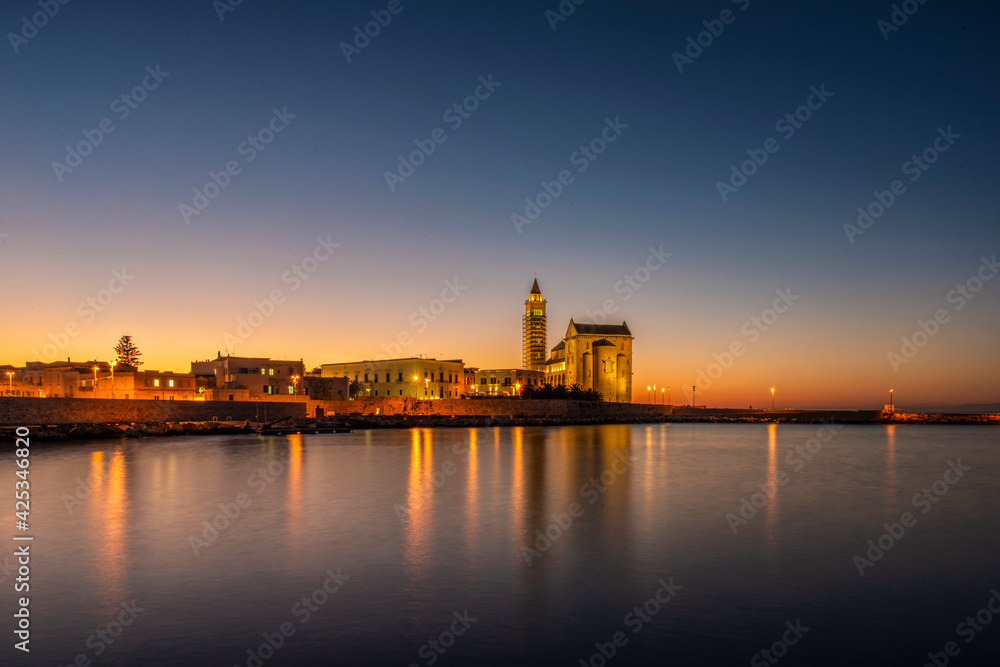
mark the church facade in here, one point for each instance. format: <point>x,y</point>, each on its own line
<point>594,356</point>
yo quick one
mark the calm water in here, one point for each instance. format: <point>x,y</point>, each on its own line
<point>418,526</point>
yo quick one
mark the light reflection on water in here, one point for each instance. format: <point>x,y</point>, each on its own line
<point>428,522</point>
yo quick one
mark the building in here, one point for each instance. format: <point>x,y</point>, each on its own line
<point>534,331</point>
<point>250,378</point>
<point>129,382</point>
<point>319,388</point>
<point>595,356</point>
<point>504,381</point>
<point>102,379</point>
<point>414,377</point>
<point>63,379</point>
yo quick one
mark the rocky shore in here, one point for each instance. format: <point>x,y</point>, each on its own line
<point>154,429</point>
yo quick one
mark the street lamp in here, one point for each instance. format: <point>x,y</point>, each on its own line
<point>662,391</point>
<point>891,409</point>
<point>649,398</point>
<point>295,382</point>
<point>517,390</point>
<point>668,395</point>
<point>427,384</point>
<point>10,382</point>
<point>113,378</point>
<point>95,381</point>
<point>772,398</point>
<point>414,386</point>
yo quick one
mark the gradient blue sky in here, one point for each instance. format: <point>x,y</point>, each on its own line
<point>656,185</point>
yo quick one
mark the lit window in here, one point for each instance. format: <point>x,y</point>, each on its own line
<point>291,390</point>
<point>170,383</point>
<point>270,371</point>
<point>263,371</point>
<point>156,383</point>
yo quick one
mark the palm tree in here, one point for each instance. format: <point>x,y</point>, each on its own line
<point>354,389</point>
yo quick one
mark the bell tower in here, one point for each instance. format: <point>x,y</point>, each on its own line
<point>535,344</point>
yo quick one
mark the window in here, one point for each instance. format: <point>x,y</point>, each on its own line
<point>156,383</point>
<point>244,370</point>
<point>270,371</point>
<point>376,378</point>
<point>263,371</point>
<point>291,389</point>
<point>376,392</point>
<point>441,376</point>
<point>400,379</point>
<point>482,381</point>
<point>366,377</point>
<point>170,383</point>
<point>400,392</point>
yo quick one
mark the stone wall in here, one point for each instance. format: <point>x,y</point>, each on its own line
<point>487,407</point>
<point>18,411</point>
<point>840,416</point>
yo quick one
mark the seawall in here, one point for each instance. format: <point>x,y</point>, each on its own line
<point>492,407</point>
<point>21,411</point>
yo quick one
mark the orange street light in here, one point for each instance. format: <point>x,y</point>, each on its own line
<point>649,396</point>
<point>772,398</point>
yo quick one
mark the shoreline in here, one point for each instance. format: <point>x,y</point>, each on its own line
<point>158,429</point>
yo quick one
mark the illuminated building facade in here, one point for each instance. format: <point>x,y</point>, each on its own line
<point>504,381</point>
<point>595,356</point>
<point>259,377</point>
<point>412,377</point>
<point>534,331</point>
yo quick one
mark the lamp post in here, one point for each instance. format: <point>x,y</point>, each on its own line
<point>693,388</point>
<point>414,386</point>
<point>772,398</point>
<point>649,395</point>
<point>10,382</point>
<point>427,384</point>
<point>668,395</point>
<point>113,378</point>
<point>295,382</point>
<point>95,381</point>
<point>662,392</point>
<point>891,409</point>
<point>517,390</point>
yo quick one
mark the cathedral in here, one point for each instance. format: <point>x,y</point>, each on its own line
<point>595,356</point>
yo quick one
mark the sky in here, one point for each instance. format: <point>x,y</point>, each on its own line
<point>278,183</point>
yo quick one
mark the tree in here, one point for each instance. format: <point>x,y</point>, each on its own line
<point>354,389</point>
<point>128,353</point>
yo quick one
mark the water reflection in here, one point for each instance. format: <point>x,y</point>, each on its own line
<point>770,518</point>
<point>295,519</point>
<point>109,519</point>
<point>417,519</point>
<point>890,471</point>
<point>472,527</point>
<point>517,484</point>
